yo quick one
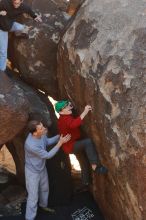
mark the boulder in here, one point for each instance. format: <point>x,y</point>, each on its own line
<point>102,62</point>
<point>38,102</point>
<point>13,109</point>
<point>60,4</point>
<point>36,57</point>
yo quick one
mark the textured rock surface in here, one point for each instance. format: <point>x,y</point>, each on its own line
<point>36,57</point>
<point>102,62</point>
<point>61,4</point>
<point>13,109</point>
<point>11,197</point>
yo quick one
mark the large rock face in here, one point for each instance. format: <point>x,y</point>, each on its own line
<point>102,63</point>
<point>61,4</point>
<point>13,109</point>
<point>69,6</point>
<point>36,57</point>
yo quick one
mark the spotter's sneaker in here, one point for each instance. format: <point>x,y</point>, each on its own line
<point>47,209</point>
<point>101,170</point>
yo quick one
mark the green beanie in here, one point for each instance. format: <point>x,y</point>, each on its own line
<point>60,105</point>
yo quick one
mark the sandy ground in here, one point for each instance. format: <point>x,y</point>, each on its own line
<point>6,160</point>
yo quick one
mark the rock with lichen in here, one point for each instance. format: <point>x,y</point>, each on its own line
<point>101,62</point>
<point>36,57</point>
<point>13,109</point>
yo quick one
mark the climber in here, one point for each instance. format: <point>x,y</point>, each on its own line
<point>69,124</point>
<point>35,170</point>
<point>9,11</point>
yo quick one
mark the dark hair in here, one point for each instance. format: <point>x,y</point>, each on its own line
<point>32,125</point>
<point>15,0</point>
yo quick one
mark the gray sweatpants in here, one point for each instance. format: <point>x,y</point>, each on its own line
<point>37,186</point>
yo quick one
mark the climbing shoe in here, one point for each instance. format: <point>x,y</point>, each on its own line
<point>82,188</point>
<point>101,170</point>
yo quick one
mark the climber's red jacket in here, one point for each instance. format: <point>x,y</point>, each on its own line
<point>67,124</point>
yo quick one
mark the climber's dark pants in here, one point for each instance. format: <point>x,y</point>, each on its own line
<point>87,146</point>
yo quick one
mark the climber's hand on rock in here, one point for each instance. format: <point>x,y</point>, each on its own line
<point>38,18</point>
<point>85,112</point>
<point>88,108</point>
